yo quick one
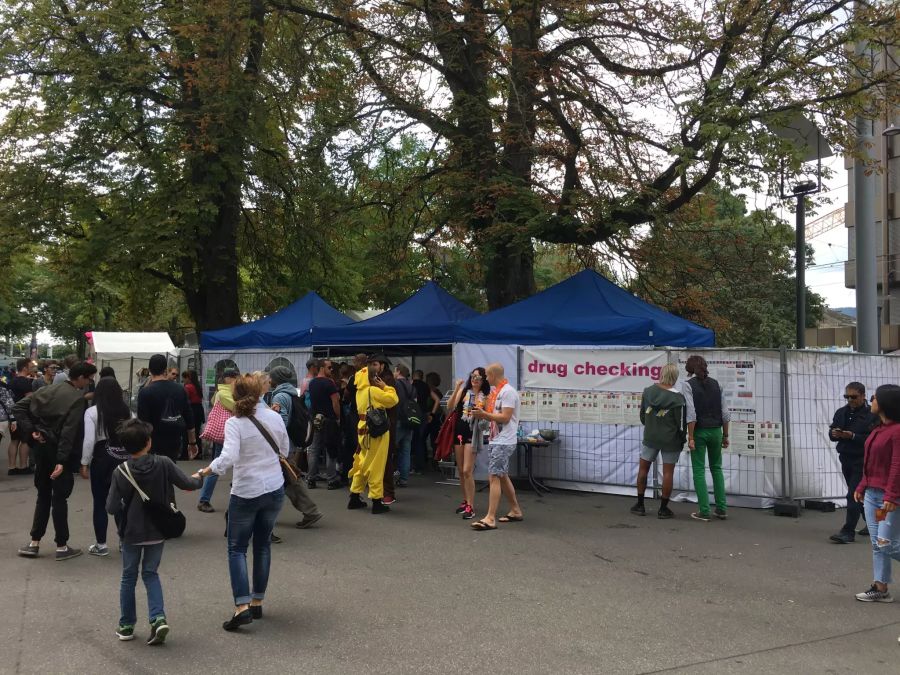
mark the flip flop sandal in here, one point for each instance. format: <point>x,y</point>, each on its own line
<point>482,526</point>
<point>511,519</point>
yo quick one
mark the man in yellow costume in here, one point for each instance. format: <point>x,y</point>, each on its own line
<point>370,459</point>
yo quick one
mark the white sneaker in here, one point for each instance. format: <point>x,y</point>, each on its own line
<point>98,549</point>
<point>874,595</point>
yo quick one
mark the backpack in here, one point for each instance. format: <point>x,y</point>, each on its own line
<point>172,424</point>
<point>410,413</point>
<point>299,426</point>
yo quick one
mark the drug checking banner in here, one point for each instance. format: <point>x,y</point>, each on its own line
<point>591,369</point>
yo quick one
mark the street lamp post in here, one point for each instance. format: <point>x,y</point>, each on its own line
<point>810,147</point>
<point>801,190</point>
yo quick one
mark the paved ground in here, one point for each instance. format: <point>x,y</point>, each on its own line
<point>581,586</point>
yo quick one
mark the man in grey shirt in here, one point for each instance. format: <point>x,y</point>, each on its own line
<point>63,375</point>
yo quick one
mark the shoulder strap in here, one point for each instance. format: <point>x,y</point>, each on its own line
<point>125,471</point>
<point>265,433</point>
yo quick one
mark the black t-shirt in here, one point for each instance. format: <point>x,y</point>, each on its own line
<point>423,396</point>
<point>20,387</point>
<point>153,401</point>
<point>320,392</point>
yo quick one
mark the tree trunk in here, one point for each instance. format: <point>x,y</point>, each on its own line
<point>210,270</point>
<point>509,275</point>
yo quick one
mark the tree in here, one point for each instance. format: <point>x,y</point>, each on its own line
<point>569,121</point>
<point>171,133</point>
<point>724,268</point>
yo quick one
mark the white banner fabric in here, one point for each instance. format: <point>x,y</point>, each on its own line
<point>591,369</point>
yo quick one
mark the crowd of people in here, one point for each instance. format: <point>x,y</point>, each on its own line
<point>362,426</point>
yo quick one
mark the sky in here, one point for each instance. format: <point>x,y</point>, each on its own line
<point>826,276</point>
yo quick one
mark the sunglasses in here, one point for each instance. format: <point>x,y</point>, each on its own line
<point>851,397</point>
<point>477,377</point>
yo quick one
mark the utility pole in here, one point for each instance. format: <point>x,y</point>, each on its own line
<point>864,230</point>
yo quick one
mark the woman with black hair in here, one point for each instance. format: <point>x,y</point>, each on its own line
<point>101,452</point>
<point>195,398</point>
<point>464,400</point>
<point>707,421</point>
<point>879,491</point>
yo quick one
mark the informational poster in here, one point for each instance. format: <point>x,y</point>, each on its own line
<point>591,369</point>
<point>590,406</point>
<point>527,405</point>
<point>760,439</point>
<point>569,406</point>
<point>737,379</point>
<point>548,405</point>
<point>631,408</point>
<point>770,439</point>
<point>210,377</point>
<point>742,438</point>
<point>611,410</point>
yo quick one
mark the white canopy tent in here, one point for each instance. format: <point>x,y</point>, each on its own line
<point>127,353</point>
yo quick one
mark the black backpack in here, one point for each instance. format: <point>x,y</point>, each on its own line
<point>299,426</point>
<point>410,412</point>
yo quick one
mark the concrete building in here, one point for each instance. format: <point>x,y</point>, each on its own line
<point>886,176</point>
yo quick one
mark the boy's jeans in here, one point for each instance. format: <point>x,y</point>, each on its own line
<point>131,559</point>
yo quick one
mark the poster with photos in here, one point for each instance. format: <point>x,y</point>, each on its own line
<point>611,410</point>
<point>547,405</point>
<point>631,408</point>
<point>527,405</point>
<point>769,439</point>
<point>589,407</point>
<point>569,406</point>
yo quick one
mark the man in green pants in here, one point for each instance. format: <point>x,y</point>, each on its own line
<point>707,418</point>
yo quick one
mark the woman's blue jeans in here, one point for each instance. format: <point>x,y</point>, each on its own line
<point>131,560</point>
<point>888,530</point>
<point>209,483</point>
<point>251,518</point>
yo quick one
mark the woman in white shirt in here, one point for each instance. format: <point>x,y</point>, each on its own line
<point>100,451</point>
<point>257,492</point>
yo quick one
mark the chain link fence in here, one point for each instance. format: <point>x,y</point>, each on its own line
<point>781,402</point>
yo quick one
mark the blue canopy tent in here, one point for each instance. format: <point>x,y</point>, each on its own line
<point>586,309</point>
<point>428,317</point>
<point>288,327</point>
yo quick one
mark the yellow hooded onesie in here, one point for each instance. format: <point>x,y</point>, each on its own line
<point>369,462</point>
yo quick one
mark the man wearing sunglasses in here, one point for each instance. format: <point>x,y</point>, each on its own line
<point>849,429</point>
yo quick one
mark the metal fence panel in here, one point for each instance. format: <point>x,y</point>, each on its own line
<point>816,381</point>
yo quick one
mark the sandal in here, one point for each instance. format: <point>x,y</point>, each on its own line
<point>509,518</point>
<point>482,526</point>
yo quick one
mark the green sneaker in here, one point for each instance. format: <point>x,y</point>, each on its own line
<point>125,633</point>
<point>159,629</point>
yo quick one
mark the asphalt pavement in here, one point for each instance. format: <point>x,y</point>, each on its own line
<point>581,586</point>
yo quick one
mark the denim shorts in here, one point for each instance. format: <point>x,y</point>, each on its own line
<point>498,463</point>
<point>669,456</point>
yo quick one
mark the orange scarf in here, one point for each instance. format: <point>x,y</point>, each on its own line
<point>492,397</point>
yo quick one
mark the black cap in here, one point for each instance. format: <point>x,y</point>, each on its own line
<point>381,358</point>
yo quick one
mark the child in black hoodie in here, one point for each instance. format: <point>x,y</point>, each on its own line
<point>142,542</point>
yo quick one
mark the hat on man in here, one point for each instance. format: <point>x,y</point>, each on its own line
<point>380,358</point>
<point>231,372</point>
<point>280,375</point>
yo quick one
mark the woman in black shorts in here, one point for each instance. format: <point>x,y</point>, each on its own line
<point>465,398</point>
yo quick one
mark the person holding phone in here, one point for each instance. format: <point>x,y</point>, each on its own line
<point>879,491</point>
<point>369,463</point>
<point>849,430</point>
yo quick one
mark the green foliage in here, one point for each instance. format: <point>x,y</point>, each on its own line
<point>167,165</point>
<point>724,268</point>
